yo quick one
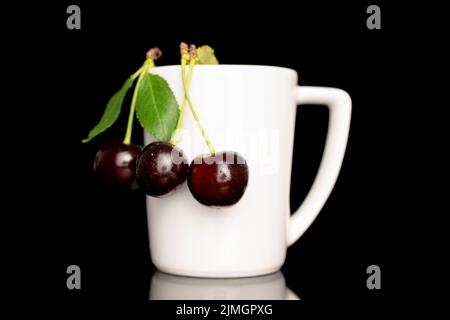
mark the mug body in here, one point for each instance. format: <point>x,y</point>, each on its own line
<point>250,110</point>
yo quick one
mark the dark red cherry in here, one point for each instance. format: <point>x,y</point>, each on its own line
<point>115,164</point>
<point>218,180</point>
<point>161,167</point>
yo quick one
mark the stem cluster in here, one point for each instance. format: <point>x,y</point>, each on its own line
<point>189,54</point>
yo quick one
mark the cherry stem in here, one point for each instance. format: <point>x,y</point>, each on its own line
<point>176,136</point>
<point>137,73</point>
<point>186,95</point>
<point>149,63</point>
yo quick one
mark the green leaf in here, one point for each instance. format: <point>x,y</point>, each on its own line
<point>206,55</point>
<point>156,107</point>
<point>112,110</point>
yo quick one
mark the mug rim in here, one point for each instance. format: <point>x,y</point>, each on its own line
<point>226,66</point>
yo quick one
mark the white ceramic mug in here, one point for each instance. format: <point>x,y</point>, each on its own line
<point>249,109</point>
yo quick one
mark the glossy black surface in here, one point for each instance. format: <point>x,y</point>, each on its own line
<point>161,168</point>
<point>164,286</point>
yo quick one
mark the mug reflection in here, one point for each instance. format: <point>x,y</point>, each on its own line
<point>269,287</point>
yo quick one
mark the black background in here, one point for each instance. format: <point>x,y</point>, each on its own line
<point>105,233</point>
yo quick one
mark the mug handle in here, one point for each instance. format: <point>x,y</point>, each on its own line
<point>339,104</point>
